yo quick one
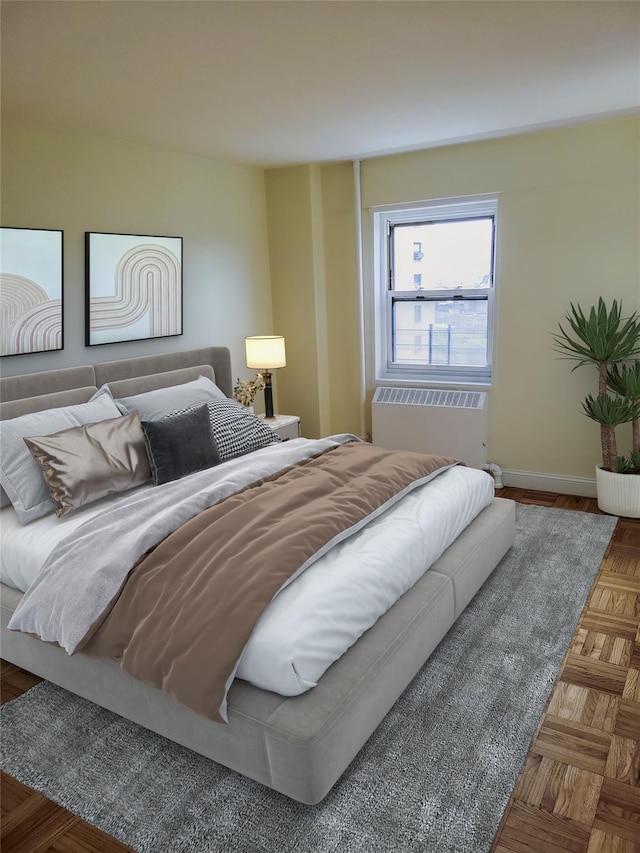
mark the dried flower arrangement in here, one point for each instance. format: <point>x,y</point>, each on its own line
<point>245,390</point>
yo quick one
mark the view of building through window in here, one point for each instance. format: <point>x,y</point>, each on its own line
<point>438,272</point>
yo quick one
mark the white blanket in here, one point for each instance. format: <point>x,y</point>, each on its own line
<point>310,623</point>
<point>86,569</point>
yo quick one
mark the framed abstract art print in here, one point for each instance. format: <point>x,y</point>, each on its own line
<point>133,287</point>
<point>30,290</point>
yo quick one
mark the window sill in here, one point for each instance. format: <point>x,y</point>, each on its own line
<point>415,382</point>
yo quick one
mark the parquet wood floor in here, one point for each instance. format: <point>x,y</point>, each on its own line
<point>579,787</point>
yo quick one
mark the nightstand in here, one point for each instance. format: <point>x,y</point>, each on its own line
<point>287,426</point>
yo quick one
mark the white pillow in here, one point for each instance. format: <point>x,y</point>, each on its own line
<point>20,476</point>
<point>154,405</point>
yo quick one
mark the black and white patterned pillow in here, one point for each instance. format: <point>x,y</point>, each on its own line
<point>235,430</point>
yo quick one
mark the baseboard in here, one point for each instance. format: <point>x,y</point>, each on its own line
<point>581,486</point>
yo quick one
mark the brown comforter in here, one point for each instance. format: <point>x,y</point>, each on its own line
<point>188,608</point>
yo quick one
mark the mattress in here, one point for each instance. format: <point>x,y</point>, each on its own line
<point>313,621</point>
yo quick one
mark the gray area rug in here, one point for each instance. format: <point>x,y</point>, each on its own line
<point>435,776</point>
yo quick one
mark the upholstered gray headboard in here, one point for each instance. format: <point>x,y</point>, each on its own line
<point>48,389</point>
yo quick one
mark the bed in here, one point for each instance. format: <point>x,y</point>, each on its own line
<point>293,726</point>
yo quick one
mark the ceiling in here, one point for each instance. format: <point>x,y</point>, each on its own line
<point>275,82</point>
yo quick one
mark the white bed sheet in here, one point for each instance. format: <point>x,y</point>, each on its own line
<point>26,547</point>
<point>314,620</point>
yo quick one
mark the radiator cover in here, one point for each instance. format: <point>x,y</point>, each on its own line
<point>432,420</point>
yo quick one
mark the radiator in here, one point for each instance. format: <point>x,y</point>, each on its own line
<point>429,420</point>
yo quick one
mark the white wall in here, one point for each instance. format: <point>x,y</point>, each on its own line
<point>569,224</point>
<point>569,219</point>
<point>79,182</point>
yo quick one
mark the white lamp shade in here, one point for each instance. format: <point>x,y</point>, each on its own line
<point>265,351</point>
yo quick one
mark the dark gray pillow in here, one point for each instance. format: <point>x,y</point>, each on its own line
<point>180,445</point>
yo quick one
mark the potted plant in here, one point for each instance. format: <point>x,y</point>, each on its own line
<point>606,339</point>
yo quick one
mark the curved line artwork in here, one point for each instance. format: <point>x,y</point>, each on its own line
<point>147,287</point>
<point>29,320</point>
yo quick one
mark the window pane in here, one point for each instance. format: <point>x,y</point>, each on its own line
<point>442,255</point>
<point>447,332</point>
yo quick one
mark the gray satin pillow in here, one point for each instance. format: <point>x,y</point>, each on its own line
<point>19,474</point>
<point>85,463</point>
<point>12,409</point>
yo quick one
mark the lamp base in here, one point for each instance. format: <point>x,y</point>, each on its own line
<point>268,395</point>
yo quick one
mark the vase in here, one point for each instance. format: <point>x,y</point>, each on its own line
<point>250,409</point>
<point>618,494</point>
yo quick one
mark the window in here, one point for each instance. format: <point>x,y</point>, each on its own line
<point>449,304</point>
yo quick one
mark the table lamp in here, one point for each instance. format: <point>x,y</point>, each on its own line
<point>264,353</point>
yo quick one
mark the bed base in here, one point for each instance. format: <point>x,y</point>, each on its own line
<point>299,745</point>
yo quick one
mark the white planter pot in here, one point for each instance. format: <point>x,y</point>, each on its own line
<point>618,494</point>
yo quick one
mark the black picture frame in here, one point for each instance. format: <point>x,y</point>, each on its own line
<point>31,290</point>
<point>133,286</point>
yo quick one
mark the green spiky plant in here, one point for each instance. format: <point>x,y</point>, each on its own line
<point>624,379</point>
<point>607,340</point>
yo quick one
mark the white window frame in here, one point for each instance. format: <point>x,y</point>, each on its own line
<point>383,217</point>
